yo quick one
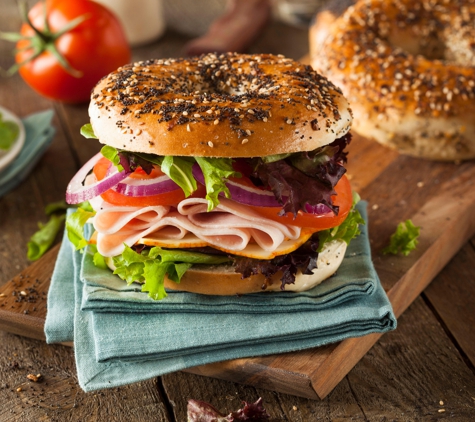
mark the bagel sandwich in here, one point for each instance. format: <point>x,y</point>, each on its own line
<point>220,174</point>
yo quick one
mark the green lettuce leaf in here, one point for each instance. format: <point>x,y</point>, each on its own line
<point>41,241</point>
<point>151,266</point>
<point>58,206</point>
<point>404,239</point>
<point>216,171</point>
<point>347,230</point>
<point>179,169</point>
<point>75,227</point>
<point>98,260</point>
<point>88,132</point>
<point>8,133</point>
<point>276,157</point>
<point>112,155</point>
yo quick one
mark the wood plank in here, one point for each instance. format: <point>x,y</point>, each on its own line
<point>451,296</point>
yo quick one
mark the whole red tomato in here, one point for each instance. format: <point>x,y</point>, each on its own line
<point>92,49</point>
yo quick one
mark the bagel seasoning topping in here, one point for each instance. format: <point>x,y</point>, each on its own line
<point>231,89</point>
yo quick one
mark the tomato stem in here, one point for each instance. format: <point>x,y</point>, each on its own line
<point>43,40</point>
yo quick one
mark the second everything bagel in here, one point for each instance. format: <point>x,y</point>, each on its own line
<point>408,70</point>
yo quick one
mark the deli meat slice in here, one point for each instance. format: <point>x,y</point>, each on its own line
<point>112,218</point>
<point>230,226</point>
<point>268,234</point>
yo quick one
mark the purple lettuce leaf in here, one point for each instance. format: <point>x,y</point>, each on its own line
<point>303,259</point>
<point>304,179</point>
<point>199,411</point>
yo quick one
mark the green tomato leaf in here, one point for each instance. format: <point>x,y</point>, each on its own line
<point>41,241</point>
<point>404,239</point>
<point>88,132</point>
<point>216,171</point>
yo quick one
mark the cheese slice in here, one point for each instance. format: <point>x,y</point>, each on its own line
<point>252,250</point>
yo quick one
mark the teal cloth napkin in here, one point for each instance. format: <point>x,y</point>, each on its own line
<point>38,136</point>
<point>103,291</point>
<point>115,348</point>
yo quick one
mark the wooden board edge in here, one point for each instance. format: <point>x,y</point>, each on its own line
<point>418,271</point>
<point>254,372</point>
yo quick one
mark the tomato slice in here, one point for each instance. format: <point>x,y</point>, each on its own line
<point>115,198</point>
<point>343,199</point>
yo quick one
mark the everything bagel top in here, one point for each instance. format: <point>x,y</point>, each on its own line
<point>227,105</point>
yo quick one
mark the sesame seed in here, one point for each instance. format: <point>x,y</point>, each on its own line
<point>139,132</point>
<point>244,141</point>
<point>196,115</point>
<point>185,113</point>
<point>210,144</point>
<point>248,132</point>
<point>288,121</point>
<point>188,127</point>
<point>250,111</point>
<point>216,121</point>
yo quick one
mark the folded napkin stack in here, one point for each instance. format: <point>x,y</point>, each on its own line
<point>122,336</point>
<point>38,136</point>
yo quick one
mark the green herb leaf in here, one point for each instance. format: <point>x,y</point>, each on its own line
<point>8,133</point>
<point>88,132</point>
<point>75,227</point>
<point>112,155</point>
<point>41,241</point>
<point>347,230</point>
<point>404,239</point>
<point>216,171</point>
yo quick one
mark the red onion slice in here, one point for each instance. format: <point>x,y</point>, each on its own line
<point>243,194</point>
<point>76,192</point>
<point>146,187</point>
<point>318,209</point>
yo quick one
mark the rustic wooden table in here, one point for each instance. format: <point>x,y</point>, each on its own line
<point>425,370</point>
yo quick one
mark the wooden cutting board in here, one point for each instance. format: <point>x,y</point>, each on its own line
<point>438,197</point>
